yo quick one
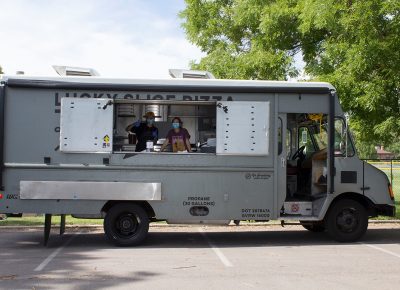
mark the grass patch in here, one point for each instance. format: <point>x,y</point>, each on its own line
<point>397,217</point>
<point>39,221</point>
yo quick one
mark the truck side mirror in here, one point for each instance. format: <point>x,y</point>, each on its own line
<point>342,146</point>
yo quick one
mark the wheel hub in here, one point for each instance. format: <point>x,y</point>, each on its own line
<point>127,225</point>
<point>347,220</point>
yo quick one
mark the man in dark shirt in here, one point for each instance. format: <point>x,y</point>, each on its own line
<point>145,131</point>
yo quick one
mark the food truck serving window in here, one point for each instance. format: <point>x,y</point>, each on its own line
<point>243,128</point>
<point>86,125</point>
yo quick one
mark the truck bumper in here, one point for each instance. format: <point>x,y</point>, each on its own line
<point>386,210</point>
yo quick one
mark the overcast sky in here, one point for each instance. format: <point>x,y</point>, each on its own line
<point>119,38</point>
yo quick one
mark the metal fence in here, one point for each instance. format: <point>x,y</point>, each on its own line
<point>392,169</point>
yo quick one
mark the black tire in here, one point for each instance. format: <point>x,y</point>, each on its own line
<point>315,227</point>
<point>346,221</point>
<point>126,224</point>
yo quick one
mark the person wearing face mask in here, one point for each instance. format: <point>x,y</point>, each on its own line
<point>145,131</point>
<point>178,137</point>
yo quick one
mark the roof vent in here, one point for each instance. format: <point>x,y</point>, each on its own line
<point>190,74</point>
<point>75,71</point>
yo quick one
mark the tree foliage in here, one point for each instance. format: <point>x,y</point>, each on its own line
<point>1,70</point>
<point>366,150</point>
<point>394,148</point>
<point>354,44</point>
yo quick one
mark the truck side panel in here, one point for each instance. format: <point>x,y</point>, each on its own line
<point>233,195</point>
<point>231,187</point>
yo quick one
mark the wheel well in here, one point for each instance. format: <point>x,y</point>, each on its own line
<point>144,204</point>
<point>365,201</point>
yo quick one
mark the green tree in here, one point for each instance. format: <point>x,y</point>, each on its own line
<point>354,44</point>
<point>366,150</point>
<point>1,70</point>
<point>394,148</point>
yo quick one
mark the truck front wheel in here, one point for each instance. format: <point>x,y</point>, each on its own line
<point>347,221</point>
<point>126,224</point>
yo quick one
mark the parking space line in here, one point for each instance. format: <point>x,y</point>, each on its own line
<point>54,254</point>
<point>382,250</point>
<point>216,250</point>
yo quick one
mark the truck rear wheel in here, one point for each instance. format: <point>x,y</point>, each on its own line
<point>347,221</point>
<point>126,224</point>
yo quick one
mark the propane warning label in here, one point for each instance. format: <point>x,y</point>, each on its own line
<point>199,201</point>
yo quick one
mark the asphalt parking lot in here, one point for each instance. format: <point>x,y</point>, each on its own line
<point>199,257</point>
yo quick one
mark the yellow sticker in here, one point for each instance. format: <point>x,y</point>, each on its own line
<point>106,139</point>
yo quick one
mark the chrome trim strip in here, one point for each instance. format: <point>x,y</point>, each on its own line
<point>136,168</point>
<point>90,190</point>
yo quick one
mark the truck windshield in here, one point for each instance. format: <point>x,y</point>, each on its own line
<point>343,145</point>
<point>315,127</point>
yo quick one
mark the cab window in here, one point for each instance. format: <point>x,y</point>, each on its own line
<point>288,143</point>
<point>343,145</point>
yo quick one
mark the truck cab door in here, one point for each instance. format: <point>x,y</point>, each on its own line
<point>350,170</point>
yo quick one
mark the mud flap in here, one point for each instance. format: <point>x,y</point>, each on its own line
<point>62,224</point>
<point>47,228</point>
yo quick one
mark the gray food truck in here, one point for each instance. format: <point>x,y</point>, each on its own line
<point>260,150</point>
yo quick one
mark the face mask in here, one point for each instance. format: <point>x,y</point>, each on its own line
<point>175,125</point>
<point>150,121</point>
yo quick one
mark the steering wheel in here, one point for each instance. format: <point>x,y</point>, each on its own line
<point>299,153</point>
<point>202,144</point>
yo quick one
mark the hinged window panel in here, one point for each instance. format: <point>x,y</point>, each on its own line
<point>243,128</point>
<point>86,125</point>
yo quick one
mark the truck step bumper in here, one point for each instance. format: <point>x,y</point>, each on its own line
<point>386,210</point>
